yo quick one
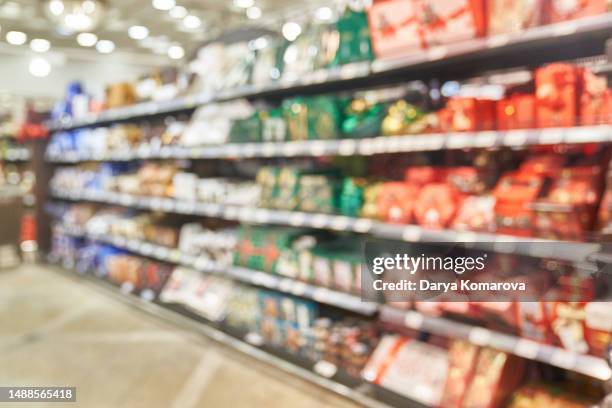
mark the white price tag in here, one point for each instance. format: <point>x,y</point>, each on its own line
<point>363,225</point>
<point>319,221</point>
<point>147,295</point>
<point>480,336</point>
<point>413,320</point>
<point>564,359</point>
<point>254,339</point>
<point>296,219</point>
<point>437,53</point>
<point>347,147</point>
<point>411,233</point>
<point>325,369</point>
<point>526,348</point>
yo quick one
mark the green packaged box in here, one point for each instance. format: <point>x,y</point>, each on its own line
<point>247,130</point>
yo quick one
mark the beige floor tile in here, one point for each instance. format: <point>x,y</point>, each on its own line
<point>56,331</point>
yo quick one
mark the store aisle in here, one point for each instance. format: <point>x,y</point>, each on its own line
<point>55,331</point>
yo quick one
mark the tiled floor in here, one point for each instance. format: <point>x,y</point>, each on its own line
<point>55,331</point>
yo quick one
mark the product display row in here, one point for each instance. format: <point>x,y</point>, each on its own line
<point>261,189</point>
<point>578,98</point>
<point>302,328</point>
<point>546,195</point>
<point>335,262</point>
<point>385,29</point>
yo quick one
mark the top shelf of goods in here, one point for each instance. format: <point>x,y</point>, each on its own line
<point>381,54</point>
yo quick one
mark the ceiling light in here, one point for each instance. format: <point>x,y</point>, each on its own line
<point>324,14</point>
<point>178,12</point>
<point>56,7</point>
<point>164,5</point>
<point>40,45</point>
<point>138,32</point>
<point>89,6</point>
<point>76,15</point>
<point>16,38</point>
<point>244,3</point>
<point>253,12</point>
<point>291,30</point>
<point>176,52</point>
<point>105,46</point>
<point>192,22</point>
<point>39,67</point>
<point>87,39</point>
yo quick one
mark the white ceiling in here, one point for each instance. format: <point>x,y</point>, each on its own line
<point>217,15</point>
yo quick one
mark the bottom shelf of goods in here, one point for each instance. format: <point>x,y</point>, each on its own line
<point>356,355</point>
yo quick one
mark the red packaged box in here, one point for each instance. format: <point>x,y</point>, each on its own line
<point>513,16</point>
<point>513,193</point>
<point>595,101</point>
<point>562,10</point>
<point>400,27</point>
<point>517,111</point>
<point>396,201</point>
<point>422,175</point>
<point>436,205</point>
<point>569,209</point>
<point>471,114</point>
<point>467,180</point>
<point>557,89</point>
<point>476,214</point>
<point>497,375</point>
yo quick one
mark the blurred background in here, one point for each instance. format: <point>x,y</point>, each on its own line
<point>188,187</point>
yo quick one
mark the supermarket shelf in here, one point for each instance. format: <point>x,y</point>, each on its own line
<point>499,48</point>
<point>15,155</point>
<point>561,250</point>
<point>174,317</point>
<point>364,147</point>
<point>585,364</point>
<point>258,278</point>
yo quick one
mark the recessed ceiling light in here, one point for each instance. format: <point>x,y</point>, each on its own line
<point>324,14</point>
<point>138,32</point>
<point>164,5</point>
<point>105,46</point>
<point>178,12</point>
<point>244,3</point>
<point>291,30</point>
<point>16,38</point>
<point>253,12</point>
<point>87,39</point>
<point>40,45</point>
<point>39,67</point>
<point>192,22</point>
<point>56,7</point>
<point>88,6</point>
<point>176,52</point>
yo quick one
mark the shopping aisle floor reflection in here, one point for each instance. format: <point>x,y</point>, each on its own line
<point>55,331</point>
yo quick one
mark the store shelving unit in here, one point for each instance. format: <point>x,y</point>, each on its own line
<point>500,48</point>
<point>456,61</point>
<point>585,364</point>
<point>568,251</point>
<point>363,147</point>
<point>341,300</point>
